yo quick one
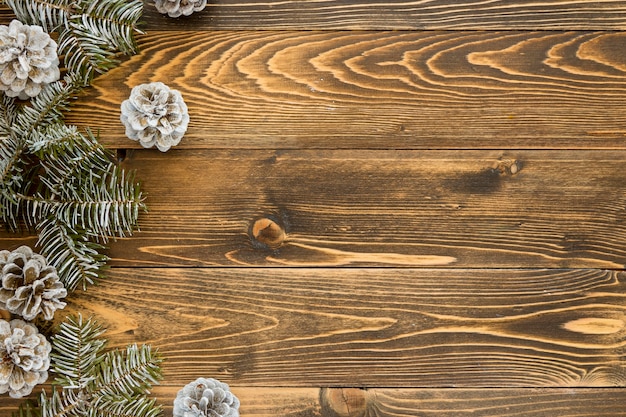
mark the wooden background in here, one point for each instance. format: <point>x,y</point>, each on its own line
<point>399,208</point>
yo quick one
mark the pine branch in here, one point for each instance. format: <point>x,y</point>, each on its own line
<point>81,197</point>
<point>97,33</point>
<point>49,14</point>
<point>66,155</point>
<point>78,348</point>
<point>11,171</point>
<point>108,204</point>
<point>78,259</point>
<point>133,372</point>
<point>86,53</point>
<point>12,179</point>
<point>113,20</point>
<point>48,107</point>
<point>92,382</point>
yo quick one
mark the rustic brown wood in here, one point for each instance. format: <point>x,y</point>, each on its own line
<point>391,15</point>
<point>437,14</point>
<point>368,327</point>
<point>440,183</point>
<point>386,402</point>
<point>385,208</point>
<point>378,89</point>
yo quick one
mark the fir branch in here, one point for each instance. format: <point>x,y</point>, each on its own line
<point>92,382</point>
<point>11,145</point>
<point>108,205</point>
<point>77,258</point>
<point>81,196</point>
<point>86,53</point>
<point>49,14</point>
<point>113,20</point>
<point>131,372</point>
<point>8,113</point>
<point>66,155</point>
<point>48,107</point>
<point>78,348</point>
<point>97,33</point>
<point>12,179</point>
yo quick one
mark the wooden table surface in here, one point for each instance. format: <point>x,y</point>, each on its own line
<point>399,208</point>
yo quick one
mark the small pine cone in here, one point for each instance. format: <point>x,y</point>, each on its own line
<point>177,8</point>
<point>24,358</point>
<point>155,115</point>
<point>206,397</point>
<point>28,60</point>
<point>29,285</point>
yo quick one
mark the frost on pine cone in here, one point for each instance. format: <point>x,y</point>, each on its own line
<point>206,397</point>
<point>24,358</point>
<point>29,285</point>
<point>155,115</point>
<point>177,8</point>
<point>28,60</point>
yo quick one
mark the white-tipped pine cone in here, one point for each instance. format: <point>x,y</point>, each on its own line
<point>206,397</point>
<point>177,8</point>
<point>155,115</point>
<point>29,285</point>
<point>28,60</point>
<point>24,358</point>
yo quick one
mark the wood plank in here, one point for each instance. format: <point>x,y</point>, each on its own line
<point>560,209</point>
<point>399,14</point>
<point>395,14</point>
<point>383,402</point>
<point>406,90</point>
<point>371,327</point>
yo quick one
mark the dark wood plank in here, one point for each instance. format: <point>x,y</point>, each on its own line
<point>399,14</point>
<point>371,327</point>
<point>556,209</point>
<point>451,90</point>
<point>393,14</point>
<point>387,208</point>
<point>388,402</point>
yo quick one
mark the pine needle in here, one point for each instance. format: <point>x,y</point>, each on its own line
<point>56,179</point>
<point>93,382</point>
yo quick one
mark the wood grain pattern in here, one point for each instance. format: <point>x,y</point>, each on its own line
<point>385,208</point>
<point>378,89</point>
<point>364,327</point>
<point>417,203</point>
<point>401,14</point>
<point>387,402</point>
<point>394,14</point>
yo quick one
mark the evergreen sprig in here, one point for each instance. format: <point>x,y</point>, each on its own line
<point>92,33</point>
<point>64,184</point>
<point>91,381</point>
<point>56,179</point>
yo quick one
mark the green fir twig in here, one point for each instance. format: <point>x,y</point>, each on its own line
<point>56,179</point>
<point>91,381</point>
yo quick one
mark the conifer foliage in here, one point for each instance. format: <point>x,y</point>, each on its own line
<point>94,382</point>
<point>55,178</point>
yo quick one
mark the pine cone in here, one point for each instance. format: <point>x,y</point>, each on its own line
<point>155,115</point>
<point>24,358</point>
<point>206,397</point>
<point>29,285</point>
<point>177,8</point>
<point>28,60</point>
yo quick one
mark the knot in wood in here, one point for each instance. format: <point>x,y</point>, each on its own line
<point>344,402</point>
<point>508,166</point>
<point>268,232</point>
